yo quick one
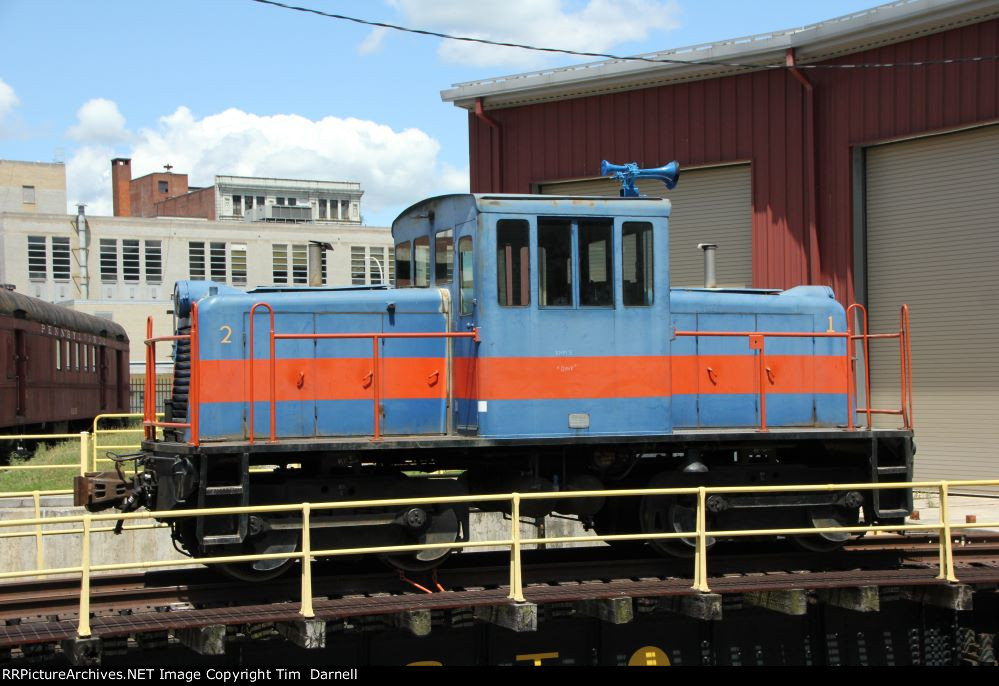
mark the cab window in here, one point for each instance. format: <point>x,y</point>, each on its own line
<point>465,274</point>
<point>444,257</point>
<point>513,263</point>
<point>421,262</point>
<point>555,262</point>
<point>637,264</point>
<point>403,264</point>
<point>596,287</point>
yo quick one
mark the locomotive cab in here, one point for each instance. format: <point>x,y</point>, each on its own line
<point>571,305</point>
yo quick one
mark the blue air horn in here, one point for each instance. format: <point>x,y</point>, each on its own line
<point>627,174</point>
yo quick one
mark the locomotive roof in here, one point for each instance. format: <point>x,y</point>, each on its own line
<point>20,306</point>
<point>464,206</point>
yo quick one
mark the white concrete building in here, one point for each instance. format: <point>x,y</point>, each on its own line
<point>123,268</point>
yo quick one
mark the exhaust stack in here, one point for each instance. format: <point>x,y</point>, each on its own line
<point>710,278</point>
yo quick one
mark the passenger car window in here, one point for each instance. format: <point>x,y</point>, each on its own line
<point>637,264</point>
<point>403,263</point>
<point>555,262</point>
<point>596,285</point>
<point>421,262</point>
<point>466,276</point>
<point>444,257</point>
<point>513,263</point>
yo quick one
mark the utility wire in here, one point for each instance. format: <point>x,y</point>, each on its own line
<point>624,58</point>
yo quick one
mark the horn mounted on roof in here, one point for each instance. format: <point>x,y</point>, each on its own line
<point>627,174</point>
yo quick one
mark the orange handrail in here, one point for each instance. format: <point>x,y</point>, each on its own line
<point>149,422</point>
<point>905,366</point>
<point>375,376</point>
<point>271,369</point>
<point>757,342</point>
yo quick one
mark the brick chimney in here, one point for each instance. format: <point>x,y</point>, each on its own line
<point>121,186</point>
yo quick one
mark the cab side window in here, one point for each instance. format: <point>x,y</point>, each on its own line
<point>596,283</point>
<point>465,274</point>
<point>513,263</point>
<point>421,262</point>
<point>444,257</point>
<point>637,264</point>
<point>403,265</point>
<point>555,262</point>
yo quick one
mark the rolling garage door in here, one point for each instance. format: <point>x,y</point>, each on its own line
<point>933,242</point>
<point>710,205</point>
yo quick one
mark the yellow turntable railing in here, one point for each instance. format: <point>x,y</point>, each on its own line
<point>515,542</point>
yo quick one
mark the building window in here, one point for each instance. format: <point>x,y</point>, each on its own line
<point>280,201</point>
<point>109,260</point>
<point>28,195</point>
<point>36,258</point>
<point>292,201</point>
<point>164,187</point>
<point>130,260</point>
<point>358,268</point>
<point>60,258</point>
<point>513,266</point>
<point>260,201</point>
<point>237,205</point>
<point>196,260</point>
<point>322,208</point>
<point>237,258</point>
<point>300,264</point>
<point>218,262</point>
<point>370,265</point>
<point>154,261</point>
<point>279,262</point>
<point>249,202</point>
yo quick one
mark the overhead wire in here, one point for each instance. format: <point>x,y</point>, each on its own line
<point>625,58</point>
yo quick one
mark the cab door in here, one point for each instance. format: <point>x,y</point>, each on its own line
<point>465,306</point>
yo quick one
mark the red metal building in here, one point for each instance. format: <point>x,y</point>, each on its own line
<point>877,179</point>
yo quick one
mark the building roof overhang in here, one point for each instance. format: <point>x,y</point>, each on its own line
<point>882,25</point>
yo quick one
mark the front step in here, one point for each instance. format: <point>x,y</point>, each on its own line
<point>230,529</point>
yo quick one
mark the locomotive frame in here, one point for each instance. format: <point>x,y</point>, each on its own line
<point>540,348</point>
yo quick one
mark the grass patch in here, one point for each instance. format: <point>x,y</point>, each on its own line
<point>65,453</point>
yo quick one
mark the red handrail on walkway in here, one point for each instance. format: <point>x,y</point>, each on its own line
<point>375,376</point>
<point>149,422</point>
<point>757,341</point>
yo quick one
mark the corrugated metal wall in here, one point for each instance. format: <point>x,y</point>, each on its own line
<point>933,242</point>
<point>757,117</point>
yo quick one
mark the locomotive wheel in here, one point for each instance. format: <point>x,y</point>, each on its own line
<point>667,514</point>
<point>670,514</point>
<point>829,516</point>
<point>443,527</point>
<point>619,516</point>
<point>285,541</point>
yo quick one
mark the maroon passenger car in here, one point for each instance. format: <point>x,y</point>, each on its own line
<point>58,368</point>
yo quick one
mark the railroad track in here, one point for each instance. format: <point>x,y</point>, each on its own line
<point>549,576</point>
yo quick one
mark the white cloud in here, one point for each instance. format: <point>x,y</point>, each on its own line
<point>8,99</point>
<point>597,26</point>
<point>373,43</point>
<point>395,168</point>
<point>99,121</point>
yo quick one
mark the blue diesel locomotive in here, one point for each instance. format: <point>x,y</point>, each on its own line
<point>531,344</point>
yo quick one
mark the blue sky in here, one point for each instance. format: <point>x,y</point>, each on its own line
<point>235,87</point>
